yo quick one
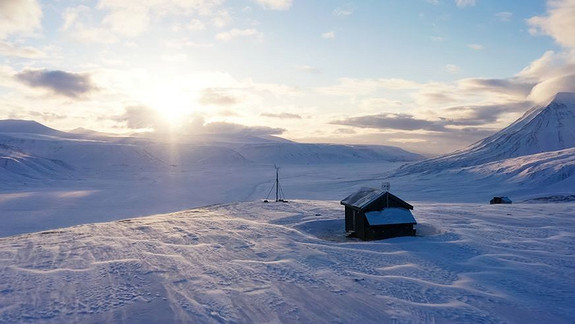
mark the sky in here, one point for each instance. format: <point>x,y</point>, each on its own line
<point>429,76</point>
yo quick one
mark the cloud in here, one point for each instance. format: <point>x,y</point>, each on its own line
<point>174,58</point>
<point>20,113</point>
<point>72,85</point>
<point>380,104</point>
<point>480,115</point>
<point>452,68</point>
<point>238,129</point>
<point>47,116</point>
<point>9,49</point>
<point>343,11</point>
<point>275,4</point>
<point>19,16</point>
<point>281,115</point>
<point>543,78</point>
<point>559,22</point>
<point>437,96</point>
<point>465,3</point>
<point>307,68</point>
<point>328,35</point>
<point>512,86</point>
<point>221,19</point>
<point>504,16</point>
<point>91,35</point>
<point>548,88</point>
<point>141,117</point>
<point>477,47</point>
<point>113,19</point>
<point>345,131</point>
<point>392,121</point>
<point>195,24</point>
<point>356,87</point>
<point>182,43</point>
<point>217,97</point>
<point>551,73</point>
<point>74,19</point>
<point>235,33</point>
<point>132,17</point>
<point>447,120</point>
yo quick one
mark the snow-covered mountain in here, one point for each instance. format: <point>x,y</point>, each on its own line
<point>17,165</point>
<point>534,170</point>
<point>85,151</point>
<point>27,127</point>
<point>298,153</point>
<point>544,128</point>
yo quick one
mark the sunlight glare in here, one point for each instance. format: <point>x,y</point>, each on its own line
<point>172,103</point>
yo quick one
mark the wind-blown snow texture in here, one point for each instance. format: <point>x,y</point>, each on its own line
<point>255,262</point>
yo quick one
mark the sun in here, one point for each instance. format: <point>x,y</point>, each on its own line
<point>172,103</point>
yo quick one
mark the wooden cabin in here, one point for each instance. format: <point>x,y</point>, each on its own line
<point>500,200</point>
<point>374,214</point>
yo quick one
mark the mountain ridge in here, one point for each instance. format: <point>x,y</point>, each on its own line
<point>543,128</point>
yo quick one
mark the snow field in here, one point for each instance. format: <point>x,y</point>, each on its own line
<point>256,262</point>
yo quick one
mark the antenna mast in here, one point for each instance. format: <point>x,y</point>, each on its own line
<point>280,196</point>
<point>277,183</point>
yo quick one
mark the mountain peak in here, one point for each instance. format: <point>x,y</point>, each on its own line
<point>25,126</point>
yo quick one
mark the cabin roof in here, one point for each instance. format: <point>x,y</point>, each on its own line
<point>503,199</point>
<point>364,197</point>
<point>390,216</point>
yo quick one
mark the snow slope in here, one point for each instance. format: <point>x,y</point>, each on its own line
<point>38,205</point>
<point>531,176</point>
<point>27,127</point>
<point>16,165</point>
<point>542,129</point>
<point>254,262</point>
<point>298,153</point>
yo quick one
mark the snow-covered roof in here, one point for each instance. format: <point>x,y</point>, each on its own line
<point>362,197</point>
<point>389,216</point>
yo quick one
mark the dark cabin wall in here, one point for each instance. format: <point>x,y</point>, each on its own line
<point>349,219</point>
<point>361,225</point>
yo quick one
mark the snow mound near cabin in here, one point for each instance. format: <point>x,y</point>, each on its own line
<point>255,262</point>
